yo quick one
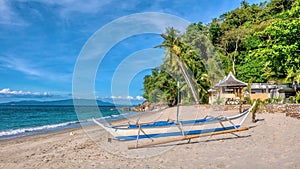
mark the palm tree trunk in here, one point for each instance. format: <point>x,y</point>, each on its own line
<point>188,81</point>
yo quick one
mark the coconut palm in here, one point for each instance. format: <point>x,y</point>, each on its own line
<point>176,52</point>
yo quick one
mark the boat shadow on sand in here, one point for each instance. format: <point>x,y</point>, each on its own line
<point>208,139</point>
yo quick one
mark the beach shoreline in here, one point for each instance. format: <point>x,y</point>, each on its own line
<point>273,142</point>
<point>28,128</point>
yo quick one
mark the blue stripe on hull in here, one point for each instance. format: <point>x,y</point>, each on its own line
<point>192,132</point>
<point>165,123</point>
<point>186,122</point>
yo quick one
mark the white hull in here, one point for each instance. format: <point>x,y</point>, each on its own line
<point>184,128</point>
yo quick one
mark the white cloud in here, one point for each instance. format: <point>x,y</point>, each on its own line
<point>8,16</point>
<point>19,65</point>
<point>5,10</point>
<point>140,98</point>
<point>20,93</point>
<point>116,97</point>
<point>127,97</point>
<point>31,69</point>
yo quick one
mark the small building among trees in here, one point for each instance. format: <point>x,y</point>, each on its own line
<point>273,91</point>
<point>230,90</point>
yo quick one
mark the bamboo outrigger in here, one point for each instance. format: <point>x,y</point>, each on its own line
<point>187,129</point>
<point>188,137</point>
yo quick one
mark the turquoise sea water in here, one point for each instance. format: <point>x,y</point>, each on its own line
<point>18,121</point>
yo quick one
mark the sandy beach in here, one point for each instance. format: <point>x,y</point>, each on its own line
<point>272,142</point>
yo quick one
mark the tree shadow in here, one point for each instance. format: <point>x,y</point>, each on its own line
<point>209,139</point>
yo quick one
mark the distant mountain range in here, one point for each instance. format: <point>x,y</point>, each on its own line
<point>81,102</point>
<point>68,102</point>
<point>128,102</point>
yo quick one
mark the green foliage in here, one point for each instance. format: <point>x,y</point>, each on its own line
<point>248,88</point>
<point>247,100</point>
<point>260,104</point>
<point>277,100</point>
<point>279,47</point>
<point>254,110</point>
<point>295,98</point>
<point>215,31</point>
<point>160,87</point>
<point>180,62</point>
<point>251,69</point>
<point>259,42</point>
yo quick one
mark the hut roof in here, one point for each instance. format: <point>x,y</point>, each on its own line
<point>230,81</point>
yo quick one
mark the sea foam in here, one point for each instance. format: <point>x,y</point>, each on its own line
<point>33,129</point>
<point>13,133</point>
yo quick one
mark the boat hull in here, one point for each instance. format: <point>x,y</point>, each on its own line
<point>168,129</point>
<point>133,135</point>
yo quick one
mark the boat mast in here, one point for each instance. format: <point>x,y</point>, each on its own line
<point>178,97</point>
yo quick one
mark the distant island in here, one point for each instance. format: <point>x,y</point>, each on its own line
<point>70,102</point>
<point>67,102</point>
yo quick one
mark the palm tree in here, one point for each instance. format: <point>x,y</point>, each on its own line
<point>176,51</point>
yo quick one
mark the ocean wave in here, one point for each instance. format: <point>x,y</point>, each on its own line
<point>35,129</point>
<point>50,127</point>
<point>115,116</point>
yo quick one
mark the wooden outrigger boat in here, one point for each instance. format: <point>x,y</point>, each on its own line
<point>176,128</point>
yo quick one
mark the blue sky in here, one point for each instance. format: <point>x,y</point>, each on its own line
<point>40,41</point>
